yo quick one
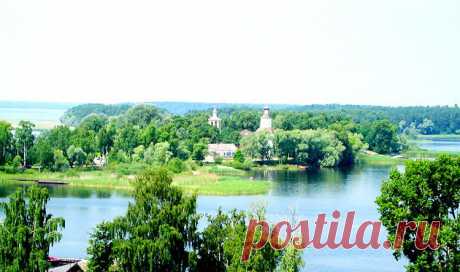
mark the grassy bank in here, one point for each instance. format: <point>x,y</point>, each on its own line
<point>208,180</point>
<point>211,181</point>
<point>412,153</point>
<point>377,159</point>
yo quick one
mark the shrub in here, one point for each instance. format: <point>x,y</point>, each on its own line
<point>175,165</point>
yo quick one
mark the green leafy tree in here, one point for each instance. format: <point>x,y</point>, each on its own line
<point>426,191</point>
<point>138,153</point>
<point>199,151</point>
<point>291,260</point>
<point>105,138</point>
<point>220,245</point>
<point>100,248</point>
<point>43,152</point>
<point>286,143</point>
<point>126,139</point>
<point>142,116</point>
<point>353,142</point>
<point>24,139</point>
<point>182,151</point>
<point>176,165</point>
<point>162,153</point>
<point>60,161</point>
<point>86,140</point>
<point>6,141</point>
<point>156,234</point>
<point>148,135</point>
<point>382,137</point>
<point>27,231</point>
<point>239,156</point>
<point>76,155</point>
<point>426,127</point>
<point>59,137</point>
<point>93,122</point>
<point>259,145</point>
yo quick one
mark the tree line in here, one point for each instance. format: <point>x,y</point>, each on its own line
<point>421,119</point>
<point>147,134</point>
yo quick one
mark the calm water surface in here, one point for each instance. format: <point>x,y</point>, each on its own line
<point>440,145</point>
<point>305,193</point>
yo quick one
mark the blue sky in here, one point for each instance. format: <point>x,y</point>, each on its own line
<point>256,51</point>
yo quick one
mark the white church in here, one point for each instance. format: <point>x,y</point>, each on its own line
<point>227,151</point>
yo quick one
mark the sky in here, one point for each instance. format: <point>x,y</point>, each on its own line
<point>252,51</point>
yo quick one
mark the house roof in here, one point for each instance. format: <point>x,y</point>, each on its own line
<point>76,266</point>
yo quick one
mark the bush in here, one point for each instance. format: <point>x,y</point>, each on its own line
<point>14,166</point>
<point>175,165</point>
<point>118,156</point>
<point>191,165</point>
<point>60,162</point>
<point>246,165</point>
<point>9,169</point>
<point>218,160</point>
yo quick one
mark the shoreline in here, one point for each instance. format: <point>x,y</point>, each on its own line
<point>203,181</point>
<point>208,180</point>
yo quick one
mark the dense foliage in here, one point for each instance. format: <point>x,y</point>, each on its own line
<point>326,136</point>
<point>426,120</point>
<point>159,233</point>
<point>426,191</point>
<point>27,231</point>
<point>155,233</point>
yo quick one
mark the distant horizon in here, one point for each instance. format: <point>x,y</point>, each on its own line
<point>72,104</point>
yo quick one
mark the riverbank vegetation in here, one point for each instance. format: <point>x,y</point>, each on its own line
<point>109,145</point>
<point>201,180</point>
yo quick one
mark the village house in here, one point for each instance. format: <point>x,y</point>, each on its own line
<point>225,150</point>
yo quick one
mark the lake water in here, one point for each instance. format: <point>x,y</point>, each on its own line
<point>305,193</point>
<point>440,145</point>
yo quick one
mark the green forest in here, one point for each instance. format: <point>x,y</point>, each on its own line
<point>326,136</point>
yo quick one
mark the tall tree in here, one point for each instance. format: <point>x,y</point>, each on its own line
<point>221,242</point>
<point>24,139</point>
<point>60,137</point>
<point>27,231</point>
<point>43,151</point>
<point>156,234</point>
<point>6,141</point>
<point>426,191</point>
<point>382,137</point>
